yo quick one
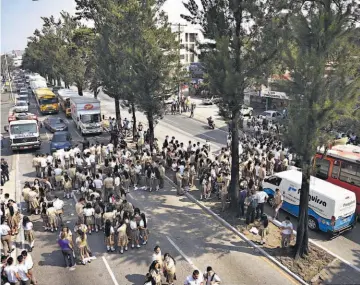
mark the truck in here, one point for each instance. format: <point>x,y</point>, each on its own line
<point>24,132</point>
<point>86,114</point>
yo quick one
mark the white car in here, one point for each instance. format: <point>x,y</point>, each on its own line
<point>246,110</point>
<point>21,106</point>
<point>211,101</point>
<point>271,115</point>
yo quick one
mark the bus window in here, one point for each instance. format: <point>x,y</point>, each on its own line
<point>335,169</point>
<point>322,168</point>
<point>350,173</point>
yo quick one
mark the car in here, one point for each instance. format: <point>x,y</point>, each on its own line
<point>54,124</point>
<point>246,110</point>
<point>60,140</point>
<point>271,115</point>
<point>21,116</point>
<point>21,106</point>
<point>211,101</point>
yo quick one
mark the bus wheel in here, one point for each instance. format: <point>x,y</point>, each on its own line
<point>313,224</point>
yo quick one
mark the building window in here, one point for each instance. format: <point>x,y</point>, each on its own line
<point>182,56</point>
<point>192,47</point>
<point>186,37</point>
<point>350,173</point>
<point>186,58</point>
<point>192,37</point>
<point>181,46</point>
<point>192,57</point>
<point>322,168</point>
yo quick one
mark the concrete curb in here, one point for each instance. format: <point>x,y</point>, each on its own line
<point>243,237</point>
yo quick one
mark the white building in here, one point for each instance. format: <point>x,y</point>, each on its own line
<point>189,37</point>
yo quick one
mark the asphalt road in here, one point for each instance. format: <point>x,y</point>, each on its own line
<point>176,224</point>
<point>346,246</point>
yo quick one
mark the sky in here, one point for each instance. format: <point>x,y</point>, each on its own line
<point>20,18</point>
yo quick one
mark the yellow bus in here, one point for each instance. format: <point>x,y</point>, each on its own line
<point>47,101</point>
<point>64,100</point>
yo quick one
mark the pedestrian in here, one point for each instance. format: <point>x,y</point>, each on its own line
<point>67,231</point>
<point>169,268</point>
<point>155,271</point>
<point>28,261</point>
<point>135,236</point>
<point>251,208</point>
<point>242,198</point>
<point>82,244</point>
<point>68,185</point>
<point>67,251</point>
<point>144,232</point>
<point>44,216</point>
<point>264,228</point>
<point>149,280</point>
<point>23,271</point>
<point>109,236</point>
<point>210,277</point>
<point>28,232</point>
<point>6,240</point>
<point>157,255</point>
<point>51,213</point>
<point>286,232</point>
<point>179,178</point>
<point>59,207</point>
<point>262,197</point>
<point>278,201</point>
<point>89,213</point>
<point>79,209</point>
<point>123,239</point>
<point>11,271</point>
<point>33,200</point>
<point>194,279</point>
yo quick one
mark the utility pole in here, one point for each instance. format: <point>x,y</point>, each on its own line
<point>179,26</point>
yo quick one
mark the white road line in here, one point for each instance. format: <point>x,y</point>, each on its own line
<point>182,253</point>
<point>110,271</point>
<point>130,196</point>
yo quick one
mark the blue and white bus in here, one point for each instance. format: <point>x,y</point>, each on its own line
<point>331,208</point>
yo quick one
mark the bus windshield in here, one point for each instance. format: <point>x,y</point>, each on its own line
<point>23,128</point>
<point>90,118</point>
<point>45,101</point>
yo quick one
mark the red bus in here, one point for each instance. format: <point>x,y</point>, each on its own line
<point>341,166</point>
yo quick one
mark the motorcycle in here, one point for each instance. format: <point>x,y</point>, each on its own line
<point>211,124</point>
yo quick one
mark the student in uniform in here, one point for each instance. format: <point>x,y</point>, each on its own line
<point>82,244</point>
<point>134,233</point>
<point>51,213</point>
<point>143,228</point>
<point>28,232</point>
<point>109,236</point>
<point>123,239</point>
<point>169,268</point>
<point>89,213</point>
<point>210,277</point>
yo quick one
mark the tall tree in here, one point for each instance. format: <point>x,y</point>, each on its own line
<point>323,64</point>
<point>243,37</point>
<point>7,65</point>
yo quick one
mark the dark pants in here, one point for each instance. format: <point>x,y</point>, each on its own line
<point>27,282</point>
<point>69,258</point>
<point>250,215</point>
<point>161,182</point>
<point>259,210</point>
<point>241,212</point>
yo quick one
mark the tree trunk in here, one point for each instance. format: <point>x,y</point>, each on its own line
<point>234,193</point>
<point>58,81</point>
<point>150,119</point>
<point>96,93</point>
<point>66,84</point>
<point>117,110</point>
<point>302,237</point>
<point>80,90</point>
<point>134,120</point>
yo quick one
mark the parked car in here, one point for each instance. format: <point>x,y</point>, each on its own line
<point>21,106</point>
<point>211,101</point>
<point>60,140</point>
<point>54,124</point>
<point>272,115</point>
<point>246,110</point>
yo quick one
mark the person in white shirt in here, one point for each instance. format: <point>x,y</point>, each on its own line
<point>43,164</point>
<point>138,169</point>
<point>11,271</point>
<point>23,271</point>
<point>134,233</point>
<point>110,147</point>
<point>195,279</point>
<point>92,159</point>
<point>98,184</point>
<point>28,261</point>
<point>49,159</point>
<point>261,197</point>
<point>5,233</point>
<point>286,232</point>
<point>211,278</point>
<point>58,205</point>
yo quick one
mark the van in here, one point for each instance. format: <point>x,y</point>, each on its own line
<point>331,207</point>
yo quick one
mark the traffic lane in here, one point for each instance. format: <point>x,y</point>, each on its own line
<point>205,242</point>
<point>6,150</point>
<point>346,246</point>
<point>49,264</point>
<point>197,129</point>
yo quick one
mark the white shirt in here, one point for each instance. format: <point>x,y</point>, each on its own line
<point>10,273</point>
<point>78,161</point>
<point>29,262</point>
<point>117,181</point>
<point>98,183</point>
<point>43,162</point>
<point>138,168</point>
<point>50,159</point>
<point>22,270</point>
<point>88,162</point>
<point>4,230</point>
<point>191,281</point>
<point>57,171</point>
<point>89,212</point>
<point>133,225</point>
<point>58,204</point>
<point>210,276</point>
<point>289,225</point>
<point>261,196</point>
<point>92,158</point>
<point>29,226</point>
<point>110,147</point>
<point>181,168</point>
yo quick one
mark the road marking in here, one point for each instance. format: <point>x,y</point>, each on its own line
<point>110,271</point>
<point>182,253</point>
